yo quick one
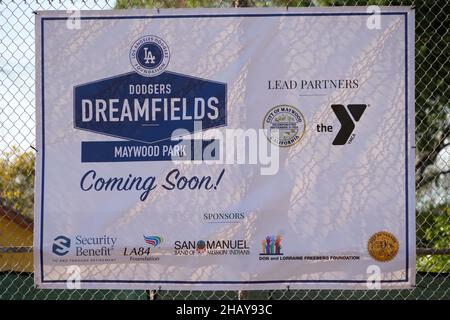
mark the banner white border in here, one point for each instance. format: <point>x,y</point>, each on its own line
<point>409,281</point>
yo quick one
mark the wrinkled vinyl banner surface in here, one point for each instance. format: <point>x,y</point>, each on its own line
<point>225,149</point>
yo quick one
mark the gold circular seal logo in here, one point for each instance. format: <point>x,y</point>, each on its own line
<point>284,125</point>
<point>383,246</point>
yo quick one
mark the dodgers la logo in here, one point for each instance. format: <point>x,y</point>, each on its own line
<point>149,55</point>
<point>146,106</point>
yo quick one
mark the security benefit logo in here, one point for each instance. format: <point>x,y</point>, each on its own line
<point>348,116</point>
<point>211,247</point>
<point>146,252</point>
<point>61,245</point>
<point>81,248</point>
<point>146,108</point>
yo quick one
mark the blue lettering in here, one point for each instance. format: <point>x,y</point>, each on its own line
<point>92,172</point>
<point>118,183</point>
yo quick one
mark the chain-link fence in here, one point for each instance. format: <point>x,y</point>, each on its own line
<point>17,136</point>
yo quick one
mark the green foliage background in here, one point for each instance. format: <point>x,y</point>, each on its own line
<point>17,181</point>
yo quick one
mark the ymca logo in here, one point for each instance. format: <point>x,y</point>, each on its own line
<point>347,117</point>
<point>61,245</point>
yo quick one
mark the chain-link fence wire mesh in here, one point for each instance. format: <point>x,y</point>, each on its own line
<point>17,138</point>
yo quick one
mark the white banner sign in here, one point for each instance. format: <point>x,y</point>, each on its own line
<point>225,149</point>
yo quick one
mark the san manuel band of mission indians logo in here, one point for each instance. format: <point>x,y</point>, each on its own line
<point>225,151</point>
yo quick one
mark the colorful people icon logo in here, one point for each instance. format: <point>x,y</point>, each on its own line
<point>271,245</point>
<point>278,245</point>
